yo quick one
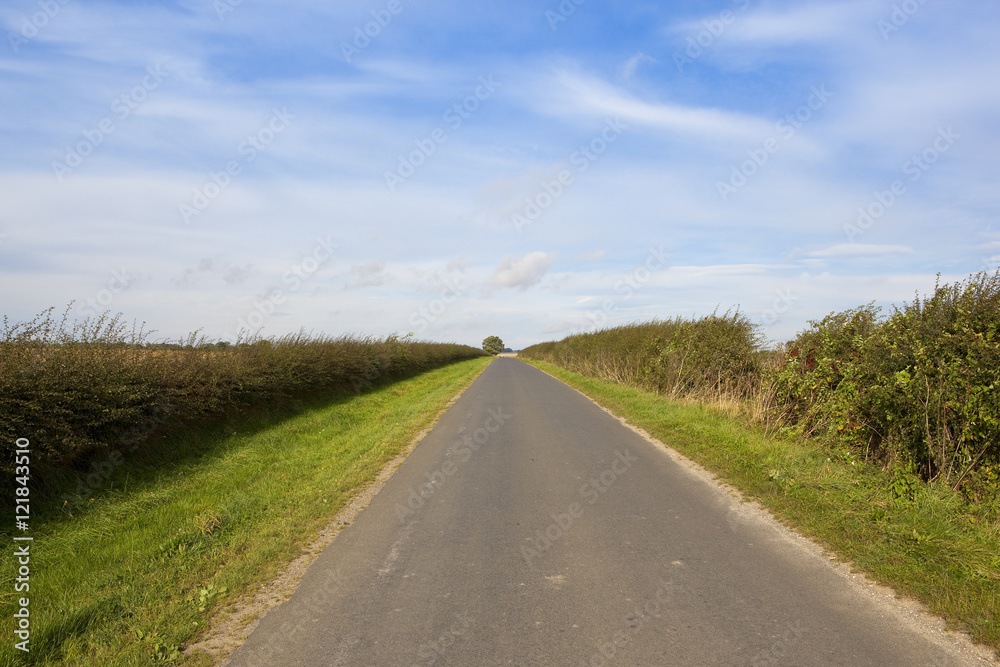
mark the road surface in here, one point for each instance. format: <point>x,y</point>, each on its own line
<point>530,527</point>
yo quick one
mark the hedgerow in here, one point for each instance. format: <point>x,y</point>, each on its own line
<point>81,391</point>
<point>917,391</point>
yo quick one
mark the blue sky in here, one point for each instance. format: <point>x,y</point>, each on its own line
<point>459,170</point>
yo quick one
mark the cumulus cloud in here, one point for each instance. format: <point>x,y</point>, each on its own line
<point>522,272</point>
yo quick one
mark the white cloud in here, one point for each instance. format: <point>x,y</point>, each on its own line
<point>809,22</point>
<point>570,94</point>
<point>632,64</point>
<point>521,272</point>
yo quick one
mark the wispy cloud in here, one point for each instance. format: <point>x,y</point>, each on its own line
<point>810,23</point>
<point>565,93</point>
<point>628,70</point>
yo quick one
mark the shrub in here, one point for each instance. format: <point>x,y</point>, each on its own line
<point>918,389</point>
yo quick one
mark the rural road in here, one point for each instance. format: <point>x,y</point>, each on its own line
<point>550,534</point>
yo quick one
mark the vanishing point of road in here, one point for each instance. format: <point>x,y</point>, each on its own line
<point>530,527</point>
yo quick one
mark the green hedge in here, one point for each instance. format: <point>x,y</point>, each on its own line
<point>83,391</point>
<point>711,355</point>
<point>918,390</point>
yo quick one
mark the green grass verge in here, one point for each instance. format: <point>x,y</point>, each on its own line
<point>925,542</point>
<point>134,575</point>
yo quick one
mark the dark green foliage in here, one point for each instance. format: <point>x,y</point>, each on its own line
<point>493,344</point>
<point>80,392</point>
<point>920,388</point>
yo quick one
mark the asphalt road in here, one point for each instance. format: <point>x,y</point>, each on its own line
<point>532,528</point>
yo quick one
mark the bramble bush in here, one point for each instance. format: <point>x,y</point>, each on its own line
<point>82,391</point>
<point>917,391</point>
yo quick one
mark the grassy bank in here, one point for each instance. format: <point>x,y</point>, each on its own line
<point>926,541</point>
<point>134,574</point>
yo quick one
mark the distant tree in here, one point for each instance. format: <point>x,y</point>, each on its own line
<point>493,344</point>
